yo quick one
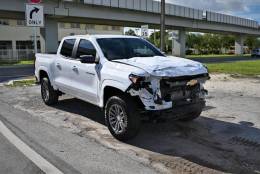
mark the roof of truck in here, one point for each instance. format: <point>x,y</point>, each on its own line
<point>97,36</point>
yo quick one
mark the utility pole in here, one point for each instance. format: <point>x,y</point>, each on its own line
<point>162,40</point>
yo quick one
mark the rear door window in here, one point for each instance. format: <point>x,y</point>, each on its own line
<point>67,47</point>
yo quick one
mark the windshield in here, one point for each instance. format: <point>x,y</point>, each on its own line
<point>125,48</point>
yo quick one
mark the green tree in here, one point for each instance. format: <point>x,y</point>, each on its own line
<point>154,38</point>
<point>252,42</point>
<point>227,41</point>
<point>209,43</point>
<point>194,41</point>
<point>130,32</point>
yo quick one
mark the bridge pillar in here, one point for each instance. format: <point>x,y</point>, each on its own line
<point>50,35</point>
<point>239,45</point>
<point>179,44</point>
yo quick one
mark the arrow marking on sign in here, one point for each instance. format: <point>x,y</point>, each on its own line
<point>35,10</point>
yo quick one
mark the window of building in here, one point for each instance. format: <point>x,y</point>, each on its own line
<point>86,48</point>
<point>67,47</point>
<point>62,25</point>
<point>90,26</point>
<point>5,45</point>
<point>105,27</point>
<point>75,25</point>
<point>4,22</point>
<point>5,48</point>
<point>116,28</point>
<point>27,45</point>
<point>20,23</point>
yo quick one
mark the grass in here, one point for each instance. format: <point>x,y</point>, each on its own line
<point>23,62</point>
<point>248,68</point>
<point>217,56</point>
<point>19,83</point>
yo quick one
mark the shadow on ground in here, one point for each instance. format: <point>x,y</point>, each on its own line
<point>212,143</point>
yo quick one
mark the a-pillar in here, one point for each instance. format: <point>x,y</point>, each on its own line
<point>239,45</point>
<point>179,44</point>
<point>50,35</point>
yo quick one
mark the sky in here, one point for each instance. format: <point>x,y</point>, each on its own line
<point>249,9</point>
<point>243,8</point>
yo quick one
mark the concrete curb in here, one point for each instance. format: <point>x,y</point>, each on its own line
<point>11,82</point>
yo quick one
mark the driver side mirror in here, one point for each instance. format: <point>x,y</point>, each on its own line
<point>88,59</point>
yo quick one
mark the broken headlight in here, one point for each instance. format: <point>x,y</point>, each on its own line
<point>135,79</point>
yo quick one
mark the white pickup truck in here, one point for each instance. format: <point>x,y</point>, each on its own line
<point>126,76</point>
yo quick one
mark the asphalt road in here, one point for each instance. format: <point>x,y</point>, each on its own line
<point>13,161</point>
<point>14,72</point>
<point>72,135</point>
<point>67,151</point>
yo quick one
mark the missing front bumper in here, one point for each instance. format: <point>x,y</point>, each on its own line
<point>177,112</point>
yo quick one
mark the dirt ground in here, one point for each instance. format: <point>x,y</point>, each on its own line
<point>225,139</point>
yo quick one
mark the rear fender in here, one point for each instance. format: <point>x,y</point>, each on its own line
<point>45,69</point>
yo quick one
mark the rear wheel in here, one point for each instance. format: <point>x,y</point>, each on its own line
<point>49,95</point>
<point>122,117</point>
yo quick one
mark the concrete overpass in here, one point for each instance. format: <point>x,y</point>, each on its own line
<point>133,13</point>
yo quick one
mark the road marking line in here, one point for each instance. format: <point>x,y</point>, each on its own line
<point>37,159</point>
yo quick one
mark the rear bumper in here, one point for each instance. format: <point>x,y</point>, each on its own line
<point>180,110</point>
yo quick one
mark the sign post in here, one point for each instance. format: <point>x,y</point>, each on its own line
<point>34,18</point>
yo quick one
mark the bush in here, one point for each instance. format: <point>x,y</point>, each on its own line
<point>189,52</point>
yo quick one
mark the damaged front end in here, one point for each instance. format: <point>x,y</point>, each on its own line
<point>163,93</point>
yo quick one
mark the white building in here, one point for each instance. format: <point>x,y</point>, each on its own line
<point>16,40</point>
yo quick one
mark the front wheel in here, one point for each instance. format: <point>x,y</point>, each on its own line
<point>49,95</point>
<point>122,117</point>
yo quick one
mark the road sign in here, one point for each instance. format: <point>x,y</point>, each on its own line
<point>34,15</point>
<point>174,35</point>
<point>144,31</point>
<point>35,1</point>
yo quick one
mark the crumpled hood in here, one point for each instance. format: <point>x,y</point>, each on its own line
<point>166,66</point>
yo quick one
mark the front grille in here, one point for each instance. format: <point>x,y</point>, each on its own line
<point>180,91</point>
<point>186,78</point>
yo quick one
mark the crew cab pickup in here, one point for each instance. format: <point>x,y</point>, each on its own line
<point>126,76</point>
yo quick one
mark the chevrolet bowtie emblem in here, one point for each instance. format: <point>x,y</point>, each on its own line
<point>192,82</point>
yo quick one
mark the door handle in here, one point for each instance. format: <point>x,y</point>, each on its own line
<point>74,68</point>
<point>58,66</point>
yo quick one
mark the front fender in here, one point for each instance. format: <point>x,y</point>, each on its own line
<point>123,86</point>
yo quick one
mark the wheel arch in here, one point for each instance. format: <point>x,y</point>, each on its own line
<point>110,91</point>
<point>109,87</point>
<point>43,72</point>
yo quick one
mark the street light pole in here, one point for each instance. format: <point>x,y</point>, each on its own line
<point>162,39</point>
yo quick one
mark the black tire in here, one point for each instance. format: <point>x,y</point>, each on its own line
<point>132,122</point>
<point>191,116</point>
<point>49,95</point>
